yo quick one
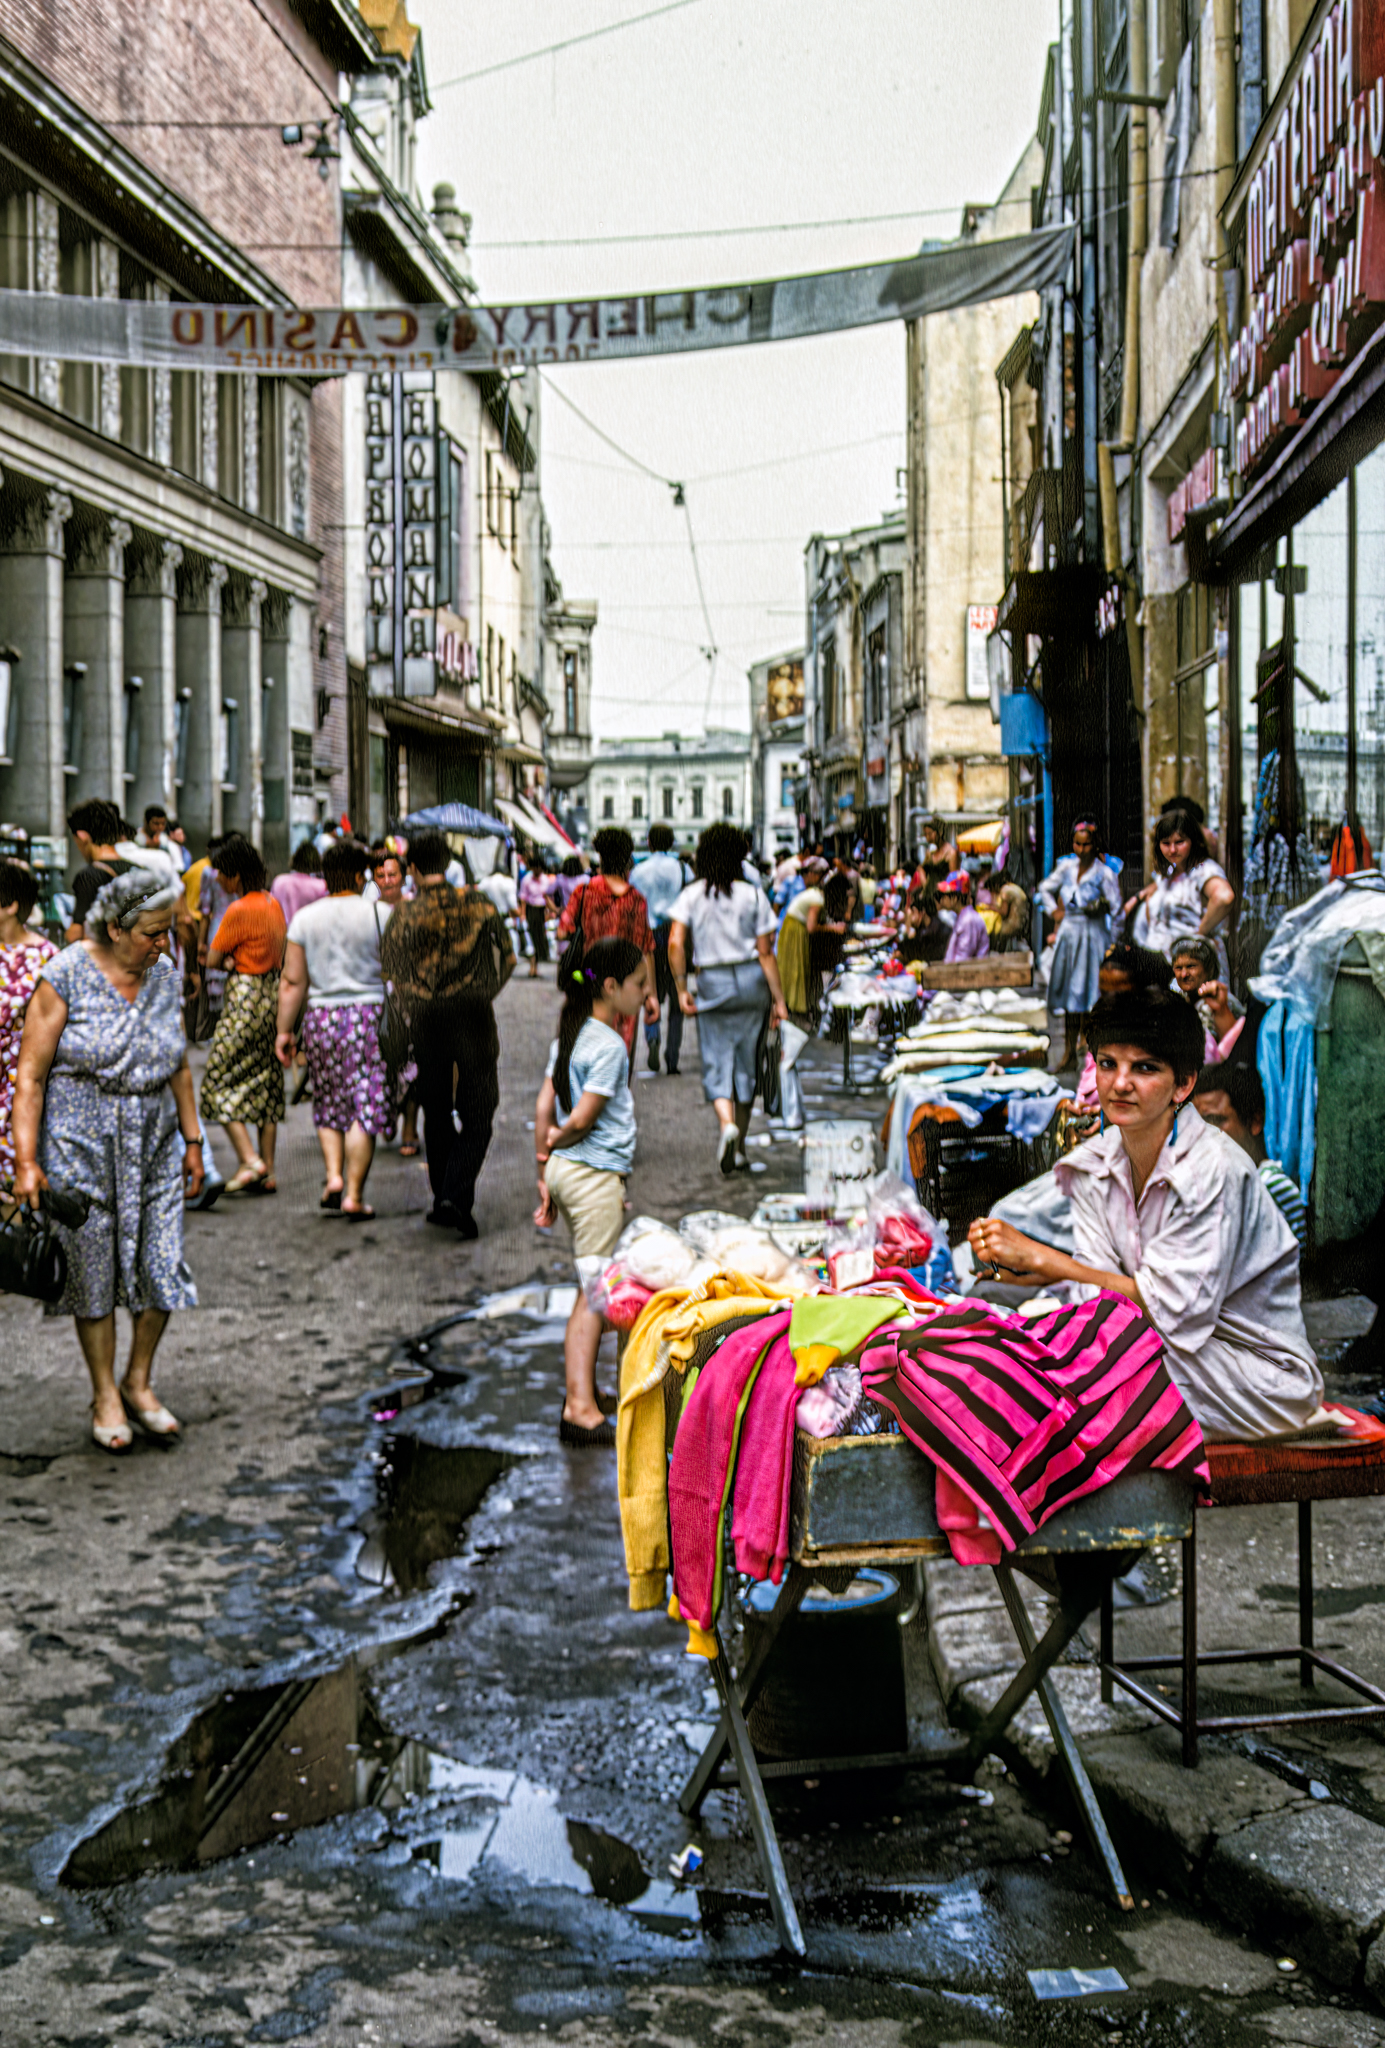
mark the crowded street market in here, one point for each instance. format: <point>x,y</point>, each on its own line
<point>694,1330</point>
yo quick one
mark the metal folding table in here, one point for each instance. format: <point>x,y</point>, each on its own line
<point>870,1501</point>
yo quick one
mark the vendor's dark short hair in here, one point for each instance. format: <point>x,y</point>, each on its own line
<point>429,852</point>
<point>1241,1086</point>
<point>615,849</point>
<point>661,838</point>
<point>1163,1025</point>
<point>19,886</point>
<point>344,861</point>
<point>96,817</point>
<point>1146,968</point>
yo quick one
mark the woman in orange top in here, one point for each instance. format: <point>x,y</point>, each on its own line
<point>244,1082</point>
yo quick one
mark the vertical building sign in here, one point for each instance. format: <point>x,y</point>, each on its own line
<point>401,533</point>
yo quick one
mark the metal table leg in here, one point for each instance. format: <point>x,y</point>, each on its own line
<point>1305,1589</point>
<point>752,1678</point>
<point>761,1820</point>
<point>1065,1743</point>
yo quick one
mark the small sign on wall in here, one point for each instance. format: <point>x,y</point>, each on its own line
<point>981,620</point>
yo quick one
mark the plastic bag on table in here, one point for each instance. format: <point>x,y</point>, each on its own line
<point>613,1291</point>
<point>902,1231</point>
<point>736,1246</point>
<point>653,1254</point>
<point>850,1249</point>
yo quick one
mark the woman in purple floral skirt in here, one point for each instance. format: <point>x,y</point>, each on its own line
<point>331,978</point>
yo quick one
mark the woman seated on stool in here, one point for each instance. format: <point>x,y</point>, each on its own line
<point>1172,1213</point>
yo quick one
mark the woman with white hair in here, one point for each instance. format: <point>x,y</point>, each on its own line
<point>104,1107</point>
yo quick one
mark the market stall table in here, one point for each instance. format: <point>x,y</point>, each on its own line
<point>871,1501</point>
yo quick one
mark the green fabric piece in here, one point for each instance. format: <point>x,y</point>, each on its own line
<point>845,1320</point>
<point>689,1383</point>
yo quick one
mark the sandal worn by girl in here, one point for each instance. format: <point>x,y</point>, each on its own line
<point>156,1422</point>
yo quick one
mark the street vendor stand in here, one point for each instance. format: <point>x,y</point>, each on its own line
<point>871,1501</point>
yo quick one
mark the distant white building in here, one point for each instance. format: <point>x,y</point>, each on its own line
<point>678,780</point>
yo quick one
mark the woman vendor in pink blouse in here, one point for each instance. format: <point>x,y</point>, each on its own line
<point>1169,1211</point>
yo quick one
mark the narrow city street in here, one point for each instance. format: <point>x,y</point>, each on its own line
<point>372,1583</point>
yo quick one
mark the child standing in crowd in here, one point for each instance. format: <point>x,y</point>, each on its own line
<point>582,1161</point>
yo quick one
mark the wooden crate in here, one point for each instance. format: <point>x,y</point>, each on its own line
<point>996,970</point>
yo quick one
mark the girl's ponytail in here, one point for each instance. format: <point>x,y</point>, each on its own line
<point>604,960</point>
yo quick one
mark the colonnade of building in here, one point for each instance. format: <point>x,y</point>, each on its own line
<point>144,672</point>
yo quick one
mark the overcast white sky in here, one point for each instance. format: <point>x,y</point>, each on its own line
<point>721,114</point>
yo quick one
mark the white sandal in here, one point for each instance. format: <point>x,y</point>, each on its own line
<point>117,1439</point>
<point>156,1422</point>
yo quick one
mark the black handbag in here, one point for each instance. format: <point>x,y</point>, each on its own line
<point>771,1090</point>
<point>575,951</point>
<point>33,1258</point>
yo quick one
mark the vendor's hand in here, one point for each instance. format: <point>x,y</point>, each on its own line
<point>1018,1257</point>
<point>1051,940</point>
<point>194,1172</point>
<point>1216,995</point>
<point>29,1182</point>
<point>687,1003</point>
<point>285,1047</point>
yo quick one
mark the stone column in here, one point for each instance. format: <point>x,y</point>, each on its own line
<point>151,653</point>
<point>162,396</point>
<point>94,633</point>
<point>275,744</point>
<point>32,792</point>
<point>241,674</point>
<point>200,583</point>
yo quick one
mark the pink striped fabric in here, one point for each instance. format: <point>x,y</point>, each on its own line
<point>1021,1418</point>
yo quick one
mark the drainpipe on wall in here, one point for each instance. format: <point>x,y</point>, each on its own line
<point>1130,375</point>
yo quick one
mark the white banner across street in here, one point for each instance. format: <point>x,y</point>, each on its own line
<point>335,340</point>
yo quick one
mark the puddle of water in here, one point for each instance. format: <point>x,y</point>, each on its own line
<point>427,1495</point>
<point>262,1763</point>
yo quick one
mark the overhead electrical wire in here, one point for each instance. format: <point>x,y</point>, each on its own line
<point>591,35</point>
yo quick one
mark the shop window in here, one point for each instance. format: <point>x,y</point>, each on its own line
<point>77,278</point>
<point>697,800</point>
<point>180,737</point>
<point>379,785</point>
<point>728,803</point>
<point>187,439</point>
<point>877,677</point>
<point>786,789</point>
<point>130,709</point>
<point>9,708</point>
<point>637,808</point>
<point>828,694</point>
<point>570,692</point>
<point>230,439</point>
<point>608,807</point>
<point>1321,627</point>
<point>230,743</point>
<point>271,432</point>
<point>668,799</point>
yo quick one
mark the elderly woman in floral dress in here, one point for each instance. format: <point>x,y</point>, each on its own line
<point>22,954</point>
<point>104,1107</point>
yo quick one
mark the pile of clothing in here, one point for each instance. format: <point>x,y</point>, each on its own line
<point>1018,1418</point>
